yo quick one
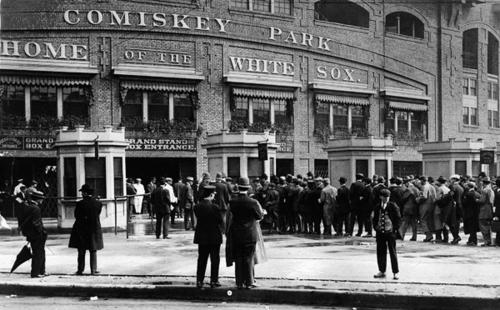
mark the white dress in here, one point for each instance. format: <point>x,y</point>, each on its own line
<point>138,199</point>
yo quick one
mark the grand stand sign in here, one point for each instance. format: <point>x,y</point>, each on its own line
<point>179,145</point>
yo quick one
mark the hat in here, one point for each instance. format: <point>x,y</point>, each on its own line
<point>189,179</point>
<point>229,179</point>
<point>385,193</point>
<point>218,175</point>
<point>168,180</point>
<point>209,187</point>
<point>360,176</point>
<point>486,180</point>
<point>86,189</point>
<point>441,180</point>
<point>163,180</point>
<point>423,178</point>
<point>318,179</point>
<point>342,180</point>
<point>243,183</point>
<point>20,180</point>
<point>33,193</point>
<point>455,176</point>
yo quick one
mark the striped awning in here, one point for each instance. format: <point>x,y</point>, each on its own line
<point>158,86</point>
<point>407,106</point>
<point>42,81</point>
<point>263,93</point>
<point>343,99</point>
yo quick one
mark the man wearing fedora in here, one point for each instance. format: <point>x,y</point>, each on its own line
<point>31,225</point>
<point>87,233</point>
<point>160,199</point>
<point>245,213</point>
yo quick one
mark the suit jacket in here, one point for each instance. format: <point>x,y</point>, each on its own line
<point>245,212</point>
<point>394,215</point>
<point>356,195</point>
<point>160,198</point>
<point>87,233</point>
<point>343,202</point>
<point>31,222</point>
<point>221,196</point>
<point>208,227</point>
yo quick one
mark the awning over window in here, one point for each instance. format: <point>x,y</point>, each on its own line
<point>157,86</point>
<point>262,93</point>
<point>406,106</point>
<point>42,81</point>
<point>343,99</point>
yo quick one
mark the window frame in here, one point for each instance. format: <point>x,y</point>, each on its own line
<point>270,102</point>
<point>410,118</point>
<point>250,6</point>
<point>414,21</point>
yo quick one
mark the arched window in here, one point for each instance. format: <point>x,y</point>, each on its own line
<point>469,48</point>
<point>342,12</point>
<point>492,54</point>
<point>403,23</point>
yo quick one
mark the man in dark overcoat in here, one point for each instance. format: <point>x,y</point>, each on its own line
<point>31,225</point>
<point>160,198</point>
<point>245,212</point>
<point>386,221</point>
<point>208,236</point>
<point>221,198</point>
<point>471,212</point>
<point>356,197</point>
<point>87,233</point>
<point>342,212</point>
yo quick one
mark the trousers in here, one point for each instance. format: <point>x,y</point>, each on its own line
<point>204,251</point>
<point>244,263</point>
<point>162,220</point>
<point>81,260</point>
<point>386,240</point>
<point>38,252</point>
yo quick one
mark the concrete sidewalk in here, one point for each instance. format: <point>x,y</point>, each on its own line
<point>301,269</point>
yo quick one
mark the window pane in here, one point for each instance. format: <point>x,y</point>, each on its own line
<point>389,121</point>
<point>70,177</point>
<point>469,48</point>
<point>183,108</point>
<point>465,83</point>
<point>262,5</point>
<point>402,121</point>
<point>490,118</point>
<point>473,90</point>
<point>43,102</point>
<point>95,175</point>
<point>473,116</point>
<point>132,109</point>
<point>495,119</point>
<point>358,118</point>
<point>240,4</point>
<point>157,106</point>
<point>282,7</point>
<point>322,117</point>
<point>417,123</point>
<point>241,111</point>
<point>280,112</point>
<point>339,117</point>
<point>12,108</point>
<point>233,167</point>
<point>75,102</point>
<point>118,175</point>
<point>492,54</point>
<point>343,12</point>
<point>261,112</point>
<point>465,112</point>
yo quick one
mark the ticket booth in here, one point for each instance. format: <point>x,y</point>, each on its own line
<point>96,158</point>
<point>236,154</point>
<point>366,155</point>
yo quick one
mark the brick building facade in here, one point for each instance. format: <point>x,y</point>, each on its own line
<point>175,72</point>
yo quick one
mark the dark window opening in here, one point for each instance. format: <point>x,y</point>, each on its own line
<point>118,175</point>
<point>43,102</point>
<point>95,175</point>
<point>404,24</point>
<point>470,48</point>
<point>157,106</point>
<point>492,54</point>
<point>183,107</point>
<point>322,117</point>
<point>342,12</point>
<point>75,104</point>
<point>340,117</point>
<point>69,177</point>
<point>261,111</point>
<point>241,111</point>
<point>12,108</point>
<point>132,109</point>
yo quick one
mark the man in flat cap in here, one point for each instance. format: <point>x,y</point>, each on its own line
<point>386,221</point>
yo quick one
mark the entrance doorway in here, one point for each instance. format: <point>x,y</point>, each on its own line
<point>284,167</point>
<point>175,168</point>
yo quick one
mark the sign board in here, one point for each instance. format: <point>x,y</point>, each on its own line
<point>179,145</point>
<point>285,143</point>
<point>31,143</point>
<point>487,157</point>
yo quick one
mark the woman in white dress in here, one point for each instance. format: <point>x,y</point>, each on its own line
<point>140,192</point>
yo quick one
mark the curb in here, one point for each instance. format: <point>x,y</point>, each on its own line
<point>258,295</point>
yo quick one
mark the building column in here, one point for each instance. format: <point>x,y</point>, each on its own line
<point>171,107</point>
<point>110,176</point>
<point>224,165</point>
<point>80,172</point>
<point>144,107</point>
<point>469,166</point>
<point>244,166</point>
<point>27,103</point>
<point>250,111</point>
<point>60,112</point>
<point>371,167</point>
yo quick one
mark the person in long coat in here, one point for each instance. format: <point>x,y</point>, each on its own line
<point>160,198</point>
<point>426,208</point>
<point>245,212</point>
<point>87,233</point>
<point>471,213</point>
<point>208,236</point>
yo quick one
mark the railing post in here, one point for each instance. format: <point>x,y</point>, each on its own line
<point>128,213</point>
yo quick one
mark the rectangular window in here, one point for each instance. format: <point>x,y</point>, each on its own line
<point>75,103</point>
<point>240,4</point>
<point>255,168</point>
<point>473,116</point>
<point>157,106</point>
<point>43,102</point>
<point>322,117</point>
<point>132,109</point>
<point>12,113</point>
<point>358,119</point>
<point>261,110</point>
<point>362,166</point>
<point>492,54</point>
<point>280,112</point>
<point>493,118</point>
<point>461,167</point>
<point>417,123</point>
<point>340,116</point>
<point>493,91</point>
<point>183,107</point>
<point>262,5</point>
<point>69,177</point>
<point>118,175</point>
<point>465,113</point>
<point>472,87</point>
<point>402,118</point>
<point>233,168</point>
<point>470,45</point>
<point>95,175</point>
<point>381,167</point>
<point>282,7</point>
<point>241,111</point>
<point>389,121</point>
<point>321,168</point>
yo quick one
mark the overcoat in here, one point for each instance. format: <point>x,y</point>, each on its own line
<point>245,213</point>
<point>208,230</point>
<point>471,211</point>
<point>87,233</point>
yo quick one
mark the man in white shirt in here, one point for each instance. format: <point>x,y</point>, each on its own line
<point>173,199</point>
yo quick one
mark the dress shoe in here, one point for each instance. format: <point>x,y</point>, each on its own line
<point>368,236</point>
<point>471,243</point>
<point>396,276</point>
<point>199,284</point>
<point>427,239</point>
<point>250,286</point>
<point>38,276</point>
<point>456,240</point>
<point>379,275</point>
<point>166,237</point>
<point>413,239</point>
<point>215,284</point>
<point>78,273</point>
<point>95,272</point>
<point>486,244</point>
